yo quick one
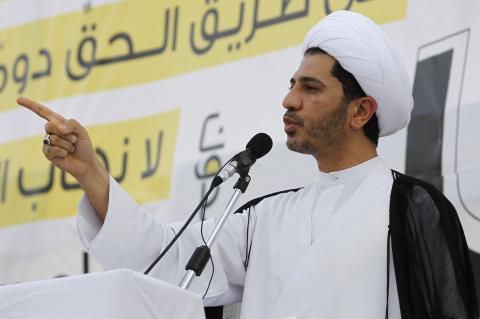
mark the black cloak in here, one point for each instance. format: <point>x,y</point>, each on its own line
<point>430,254</point>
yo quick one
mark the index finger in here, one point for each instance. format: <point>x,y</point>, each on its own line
<point>40,109</point>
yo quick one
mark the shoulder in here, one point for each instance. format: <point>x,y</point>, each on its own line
<point>416,190</point>
<point>419,199</point>
<point>272,197</point>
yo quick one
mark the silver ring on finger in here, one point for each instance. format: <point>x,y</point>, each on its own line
<point>47,140</point>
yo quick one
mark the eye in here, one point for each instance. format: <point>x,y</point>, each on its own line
<point>310,88</point>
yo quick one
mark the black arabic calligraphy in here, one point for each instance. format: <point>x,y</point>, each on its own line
<point>35,190</point>
<point>151,169</point>
<point>213,35</point>
<point>203,35</point>
<point>283,17</point>
<point>87,49</point>
<point>3,184</point>
<point>21,71</point>
<point>348,6</point>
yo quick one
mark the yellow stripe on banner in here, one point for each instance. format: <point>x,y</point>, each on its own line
<point>31,189</point>
<point>138,41</point>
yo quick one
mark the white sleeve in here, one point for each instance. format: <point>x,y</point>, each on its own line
<point>131,238</point>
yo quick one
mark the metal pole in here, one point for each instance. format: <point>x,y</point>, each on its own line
<point>220,222</point>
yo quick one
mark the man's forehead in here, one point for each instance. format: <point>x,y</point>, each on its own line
<point>316,66</point>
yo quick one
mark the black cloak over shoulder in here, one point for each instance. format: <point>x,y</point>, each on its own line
<point>430,254</point>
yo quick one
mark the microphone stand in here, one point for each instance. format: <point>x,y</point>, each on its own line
<point>201,255</point>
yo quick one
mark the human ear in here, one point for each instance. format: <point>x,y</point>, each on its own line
<point>363,110</point>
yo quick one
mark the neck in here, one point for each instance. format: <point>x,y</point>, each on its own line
<point>349,155</point>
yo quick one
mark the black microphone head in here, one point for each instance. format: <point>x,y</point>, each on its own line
<point>259,145</point>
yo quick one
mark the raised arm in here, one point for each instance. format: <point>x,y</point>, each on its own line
<point>70,149</point>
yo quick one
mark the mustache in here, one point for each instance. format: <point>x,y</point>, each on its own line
<point>292,116</point>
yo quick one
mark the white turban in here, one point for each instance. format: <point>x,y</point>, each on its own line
<point>363,49</point>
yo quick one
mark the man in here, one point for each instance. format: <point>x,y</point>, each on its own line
<point>322,251</point>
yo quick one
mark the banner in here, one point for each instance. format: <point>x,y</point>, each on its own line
<point>134,42</point>
<point>138,153</point>
<point>169,90</point>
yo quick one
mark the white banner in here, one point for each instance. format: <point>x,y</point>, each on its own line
<point>169,91</point>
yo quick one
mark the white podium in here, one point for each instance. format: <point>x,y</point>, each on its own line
<point>114,294</point>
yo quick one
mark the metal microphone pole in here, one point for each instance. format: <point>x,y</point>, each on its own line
<point>201,256</point>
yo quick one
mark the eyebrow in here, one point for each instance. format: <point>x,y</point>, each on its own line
<point>310,80</point>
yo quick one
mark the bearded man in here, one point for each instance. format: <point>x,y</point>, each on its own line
<point>361,241</point>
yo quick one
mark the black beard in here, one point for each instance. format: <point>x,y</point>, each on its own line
<point>327,133</point>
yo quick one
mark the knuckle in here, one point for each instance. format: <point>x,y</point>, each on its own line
<point>48,127</point>
<point>72,138</point>
<point>51,127</point>
<point>73,122</point>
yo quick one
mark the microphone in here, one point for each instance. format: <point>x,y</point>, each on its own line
<point>258,146</point>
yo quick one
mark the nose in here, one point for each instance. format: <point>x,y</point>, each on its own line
<point>293,100</point>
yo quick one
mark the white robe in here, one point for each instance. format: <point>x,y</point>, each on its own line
<point>320,252</point>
